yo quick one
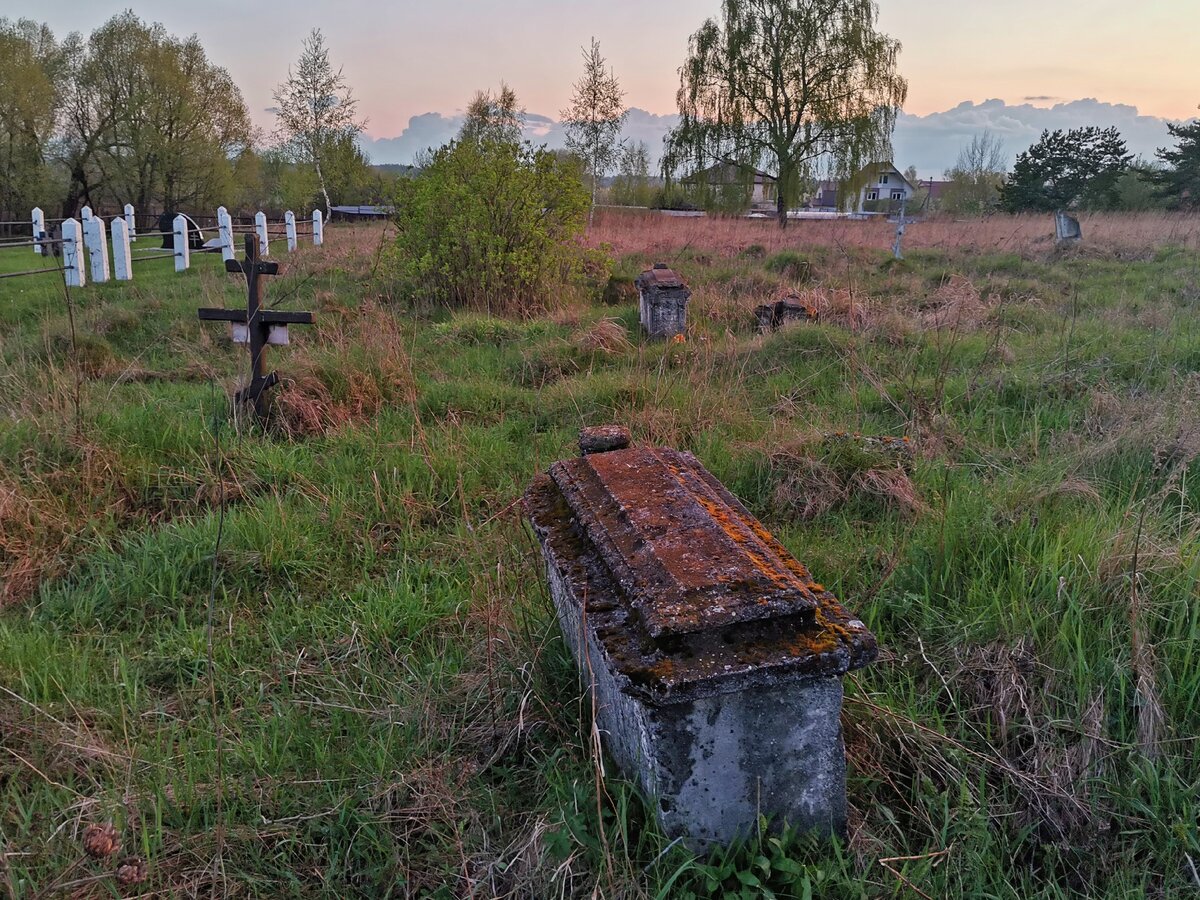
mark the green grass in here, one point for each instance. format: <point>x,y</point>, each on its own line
<point>390,710</point>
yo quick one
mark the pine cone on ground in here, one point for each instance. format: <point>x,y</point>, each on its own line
<point>100,841</point>
<point>132,870</point>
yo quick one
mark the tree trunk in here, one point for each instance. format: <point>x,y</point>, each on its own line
<point>324,192</point>
<point>781,198</point>
<point>592,210</point>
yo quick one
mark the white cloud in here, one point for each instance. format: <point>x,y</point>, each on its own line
<point>931,143</point>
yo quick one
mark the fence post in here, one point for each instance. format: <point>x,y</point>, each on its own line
<point>72,254</point>
<point>131,221</point>
<point>85,214</point>
<point>122,258</point>
<point>39,227</point>
<point>318,228</point>
<point>95,239</point>
<point>225,230</point>
<point>289,220</point>
<point>260,225</point>
<point>183,258</point>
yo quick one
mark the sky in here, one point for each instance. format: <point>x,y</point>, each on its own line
<point>406,58</point>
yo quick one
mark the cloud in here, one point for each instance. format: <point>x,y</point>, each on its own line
<point>931,143</point>
<point>1042,98</point>
<point>432,130</point>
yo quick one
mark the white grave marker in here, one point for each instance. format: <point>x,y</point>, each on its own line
<point>95,237</point>
<point>39,228</point>
<point>183,258</point>
<point>122,258</point>
<point>260,225</point>
<point>225,230</point>
<point>72,250</point>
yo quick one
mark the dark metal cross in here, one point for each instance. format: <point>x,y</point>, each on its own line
<point>263,326</point>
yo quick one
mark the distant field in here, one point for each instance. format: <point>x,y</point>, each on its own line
<point>320,659</point>
<point>1125,235</point>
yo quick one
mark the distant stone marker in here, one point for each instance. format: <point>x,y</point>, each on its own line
<point>1067,229</point>
<point>772,317</point>
<point>663,297</point>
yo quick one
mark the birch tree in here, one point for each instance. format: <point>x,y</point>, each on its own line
<point>595,117</point>
<point>316,109</point>
<point>802,88</point>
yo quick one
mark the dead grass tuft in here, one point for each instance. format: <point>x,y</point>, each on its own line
<point>33,538</point>
<point>956,305</point>
<point>357,366</point>
<point>819,475</point>
<point>607,336</point>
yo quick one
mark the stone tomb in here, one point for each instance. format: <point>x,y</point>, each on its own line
<point>781,313</point>
<point>715,659</point>
<point>662,302</point>
<point>1067,229</point>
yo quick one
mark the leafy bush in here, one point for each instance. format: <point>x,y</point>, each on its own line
<point>790,264</point>
<point>491,224</point>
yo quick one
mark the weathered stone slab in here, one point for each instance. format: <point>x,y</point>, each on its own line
<point>1067,229</point>
<point>714,658</point>
<point>604,439</point>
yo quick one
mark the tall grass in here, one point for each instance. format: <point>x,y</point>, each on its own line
<point>389,709</point>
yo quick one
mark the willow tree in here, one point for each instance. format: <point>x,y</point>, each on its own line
<point>800,88</point>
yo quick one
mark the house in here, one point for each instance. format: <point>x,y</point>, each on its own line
<point>875,188</point>
<point>764,187</point>
<point>881,185</point>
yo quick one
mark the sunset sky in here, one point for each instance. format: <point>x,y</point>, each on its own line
<point>406,58</point>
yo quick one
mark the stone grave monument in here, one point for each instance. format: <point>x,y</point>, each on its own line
<point>1067,229</point>
<point>714,658</point>
<point>662,302</point>
<point>784,312</point>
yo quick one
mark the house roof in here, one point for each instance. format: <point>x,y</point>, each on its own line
<point>879,168</point>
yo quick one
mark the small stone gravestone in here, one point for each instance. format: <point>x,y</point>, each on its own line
<point>714,660</point>
<point>791,309</point>
<point>1067,229</point>
<point>663,297</point>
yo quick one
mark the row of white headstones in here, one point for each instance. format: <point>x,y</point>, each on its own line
<point>88,237</point>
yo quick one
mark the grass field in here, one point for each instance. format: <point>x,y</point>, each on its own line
<point>320,660</point>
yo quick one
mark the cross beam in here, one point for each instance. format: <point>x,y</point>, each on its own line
<point>259,323</point>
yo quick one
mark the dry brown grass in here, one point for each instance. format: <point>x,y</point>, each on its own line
<point>1123,234</point>
<point>33,536</point>
<point>358,363</point>
<point>812,481</point>
<point>607,336</point>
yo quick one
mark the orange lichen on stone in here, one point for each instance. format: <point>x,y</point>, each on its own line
<point>625,527</point>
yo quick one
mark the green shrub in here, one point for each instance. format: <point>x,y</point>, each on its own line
<point>790,264</point>
<point>492,224</point>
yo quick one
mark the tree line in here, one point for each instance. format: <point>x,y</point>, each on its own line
<point>134,114</point>
<point>1088,168</point>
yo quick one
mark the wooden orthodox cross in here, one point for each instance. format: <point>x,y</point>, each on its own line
<point>256,326</point>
